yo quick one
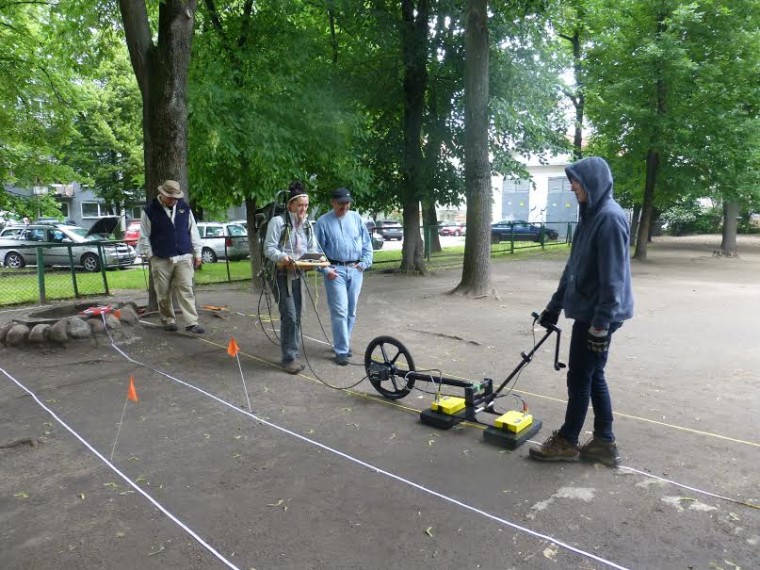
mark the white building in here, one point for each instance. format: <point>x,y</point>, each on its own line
<point>545,198</point>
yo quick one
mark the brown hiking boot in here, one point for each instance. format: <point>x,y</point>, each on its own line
<point>555,448</point>
<point>292,367</point>
<point>605,452</point>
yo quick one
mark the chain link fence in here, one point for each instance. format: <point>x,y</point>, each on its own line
<point>36,281</point>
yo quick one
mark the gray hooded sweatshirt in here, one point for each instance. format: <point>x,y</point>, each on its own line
<point>596,284</point>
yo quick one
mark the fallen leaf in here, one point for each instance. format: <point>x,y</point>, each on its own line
<point>393,436</point>
<point>429,531</point>
<point>111,484</point>
<point>81,496</point>
<point>120,535</point>
<point>21,495</point>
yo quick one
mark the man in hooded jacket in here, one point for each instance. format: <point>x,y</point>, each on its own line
<point>595,291</point>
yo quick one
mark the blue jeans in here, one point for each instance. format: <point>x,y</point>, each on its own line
<point>289,303</point>
<point>586,382</point>
<point>342,297</point>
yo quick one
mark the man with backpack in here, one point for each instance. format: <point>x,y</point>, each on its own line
<point>288,237</point>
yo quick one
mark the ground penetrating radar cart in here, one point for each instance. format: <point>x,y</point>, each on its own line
<point>390,368</point>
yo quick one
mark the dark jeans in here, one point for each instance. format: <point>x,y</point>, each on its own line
<point>289,303</point>
<point>586,381</point>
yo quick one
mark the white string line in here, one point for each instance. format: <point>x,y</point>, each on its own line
<point>683,486</point>
<point>126,479</point>
<point>377,469</point>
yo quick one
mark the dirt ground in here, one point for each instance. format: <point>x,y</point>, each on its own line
<point>318,478</point>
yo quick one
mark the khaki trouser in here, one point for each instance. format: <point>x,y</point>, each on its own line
<point>177,277</point>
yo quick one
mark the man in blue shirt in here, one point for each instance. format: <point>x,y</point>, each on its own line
<point>595,291</point>
<point>347,244</point>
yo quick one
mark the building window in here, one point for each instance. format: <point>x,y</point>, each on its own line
<point>93,210</point>
<point>64,207</point>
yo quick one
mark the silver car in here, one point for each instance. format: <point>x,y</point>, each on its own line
<point>223,240</point>
<point>18,246</point>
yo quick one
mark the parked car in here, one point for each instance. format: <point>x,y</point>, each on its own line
<point>17,251</point>
<point>223,240</point>
<point>243,223</point>
<point>520,230</point>
<point>452,229</point>
<point>389,230</point>
<point>132,233</point>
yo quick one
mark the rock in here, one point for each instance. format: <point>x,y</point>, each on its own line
<point>77,328</point>
<point>96,326</point>
<point>17,335</point>
<point>38,334</point>
<point>112,322</point>
<point>129,315</point>
<point>4,331</point>
<point>57,333</point>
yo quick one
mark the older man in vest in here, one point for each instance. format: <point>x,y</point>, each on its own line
<point>169,241</point>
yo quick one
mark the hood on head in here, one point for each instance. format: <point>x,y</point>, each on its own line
<point>104,227</point>
<point>594,175</point>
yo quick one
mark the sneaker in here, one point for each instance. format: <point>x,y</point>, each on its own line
<point>171,327</point>
<point>555,448</point>
<point>605,452</point>
<point>197,329</point>
<point>350,353</point>
<point>341,360</point>
<point>292,367</point>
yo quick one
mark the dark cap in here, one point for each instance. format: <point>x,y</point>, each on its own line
<point>342,196</point>
<point>296,190</point>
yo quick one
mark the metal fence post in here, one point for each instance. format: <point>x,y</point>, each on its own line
<point>103,267</point>
<point>73,272</point>
<point>41,273</point>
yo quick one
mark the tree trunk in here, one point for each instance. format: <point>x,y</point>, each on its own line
<point>161,70</point>
<point>254,244</point>
<point>476,271</point>
<point>653,163</point>
<point>728,245</point>
<point>414,42</point>
<point>579,100</point>
<point>636,216</point>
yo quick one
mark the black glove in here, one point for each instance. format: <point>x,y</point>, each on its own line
<point>598,340</point>
<point>548,318</point>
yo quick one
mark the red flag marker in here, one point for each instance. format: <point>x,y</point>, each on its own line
<point>232,348</point>
<point>132,393</point>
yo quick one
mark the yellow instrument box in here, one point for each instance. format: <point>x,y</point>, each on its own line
<point>448,405</point>
<point>513,421</point>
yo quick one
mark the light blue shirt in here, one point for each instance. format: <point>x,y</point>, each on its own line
<point>345,238</point>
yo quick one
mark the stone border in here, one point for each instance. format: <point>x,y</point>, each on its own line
<point>21,333</point>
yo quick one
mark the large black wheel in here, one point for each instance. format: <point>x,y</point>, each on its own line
<point>90,262</point>
<point>387,362</point>
<point>14,260</point>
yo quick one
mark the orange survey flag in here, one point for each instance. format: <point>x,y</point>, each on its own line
<point>132,393</point>
<point>232,348</point>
